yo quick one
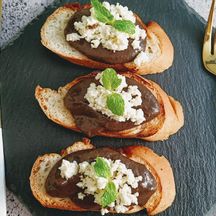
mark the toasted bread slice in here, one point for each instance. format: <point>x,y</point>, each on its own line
<point>158,43</point>
<point>157,165</point>
<point>168,122</point>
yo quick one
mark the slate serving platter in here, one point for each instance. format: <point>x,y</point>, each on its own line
<point>28,133</point>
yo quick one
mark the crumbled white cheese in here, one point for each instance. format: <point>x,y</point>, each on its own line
<point>81,196</point>
<point>95,43</point>
<point>120,12</point>
<point>68,169</point>
<point>121,209</point>
<point>72,37</point>
<point>96,32</point>
<point>83,166</point>
<point>140,58</point>
<point>136,44</point>
<point>111,205</point>
<point>121,176</point>
<point>90,184</point>
<point>126,197</point>
<point>104,211</point>
<point>101,182</point>
<point>97,96</point>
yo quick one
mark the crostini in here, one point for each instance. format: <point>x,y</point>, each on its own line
<point>105,103</point>
<point>124,180</point>
<point>101,35</point>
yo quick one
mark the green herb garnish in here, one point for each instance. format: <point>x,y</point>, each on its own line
<point>103,15</point>
<point>115,103</point>
<point>124,26</point>
<point>109,195</point>
<point>110,79</point>
<point>101,168</point>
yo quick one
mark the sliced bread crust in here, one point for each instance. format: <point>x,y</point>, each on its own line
<point>52,37</point>
<point>168,122</point>
<point>157,165</point>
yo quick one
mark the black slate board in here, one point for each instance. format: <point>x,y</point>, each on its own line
<point>28,133</point>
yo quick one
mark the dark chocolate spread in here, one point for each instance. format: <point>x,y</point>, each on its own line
<point>58,187</point>
<point>92,122</point>
<point>100,53</point>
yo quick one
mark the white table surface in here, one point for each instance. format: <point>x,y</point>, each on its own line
<point>14,20</point>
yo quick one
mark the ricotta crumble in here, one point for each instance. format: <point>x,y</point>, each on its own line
<point>123,178</point>
<point>96,32</point>
<point>97,95</point>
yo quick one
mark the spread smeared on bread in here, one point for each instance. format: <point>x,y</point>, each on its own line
<point>156,194</point>
<point>91,173</point>
<point>103,42</point>
<point>87,102</point>
<point>165,123</point>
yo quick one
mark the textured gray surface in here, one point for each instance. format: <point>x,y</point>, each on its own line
<point>14,22</point>
<point>17,14</point>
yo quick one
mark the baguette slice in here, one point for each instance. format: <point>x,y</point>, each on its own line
<point>158,43</point>
<point>168,122</point>
<point>157,165</point>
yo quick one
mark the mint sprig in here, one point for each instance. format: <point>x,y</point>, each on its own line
<point>103,15</point>
<point>110,79</point>
<point>116,104</point>
<point>101,168</point>
<point>124,26</point>
<point>109,195</point>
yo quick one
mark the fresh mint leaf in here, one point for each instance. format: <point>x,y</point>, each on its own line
<point>124,26</point>
<point>110,79</point>
<point>110,194</point>
<point>101,168</point>
<point>104,15</point>
<point>101,13</point>
<point>115,103</point>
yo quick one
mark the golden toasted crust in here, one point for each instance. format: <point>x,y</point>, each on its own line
<point>156,36</point>
<point>173,117</point>
<point>163,169</point>
<point>168,122</point>
<point>158,166</point>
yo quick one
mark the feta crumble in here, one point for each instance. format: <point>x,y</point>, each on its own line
<point>72,37</point>
<point>104,211</point>
<point>121,176</point>
<point>68,169</point>
<point>81,196</point>
<point>140,58</point>
<point>97,95</point>
<point>96,32</point>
